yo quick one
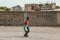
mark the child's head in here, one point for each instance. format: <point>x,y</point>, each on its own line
<point>27,18</point>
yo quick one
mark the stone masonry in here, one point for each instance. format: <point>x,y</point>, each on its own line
<point>11,18</point>
<point>42,18</point>
<point>36,18</point>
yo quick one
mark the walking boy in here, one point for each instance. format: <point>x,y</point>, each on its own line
<point>26,27</point>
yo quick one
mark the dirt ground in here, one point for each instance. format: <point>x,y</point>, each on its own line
<point>36,33</point>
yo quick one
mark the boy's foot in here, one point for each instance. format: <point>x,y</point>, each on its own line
<point>25,35</point>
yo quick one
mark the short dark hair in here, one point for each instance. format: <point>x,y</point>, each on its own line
<point>27,18</point>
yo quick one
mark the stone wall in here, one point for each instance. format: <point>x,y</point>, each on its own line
<point>43,18</point>
<point>11,18</point>
<point>36,18</point>
<point>58,18</point>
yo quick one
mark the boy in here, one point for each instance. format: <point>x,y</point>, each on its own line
<point>26,27</point>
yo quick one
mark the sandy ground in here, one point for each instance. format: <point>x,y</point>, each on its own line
<point>36,33</point>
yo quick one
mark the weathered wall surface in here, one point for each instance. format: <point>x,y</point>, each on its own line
<point>58,18</point>
<point>11,18</point>
<point>35,18</point>
<point>43,18</point>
